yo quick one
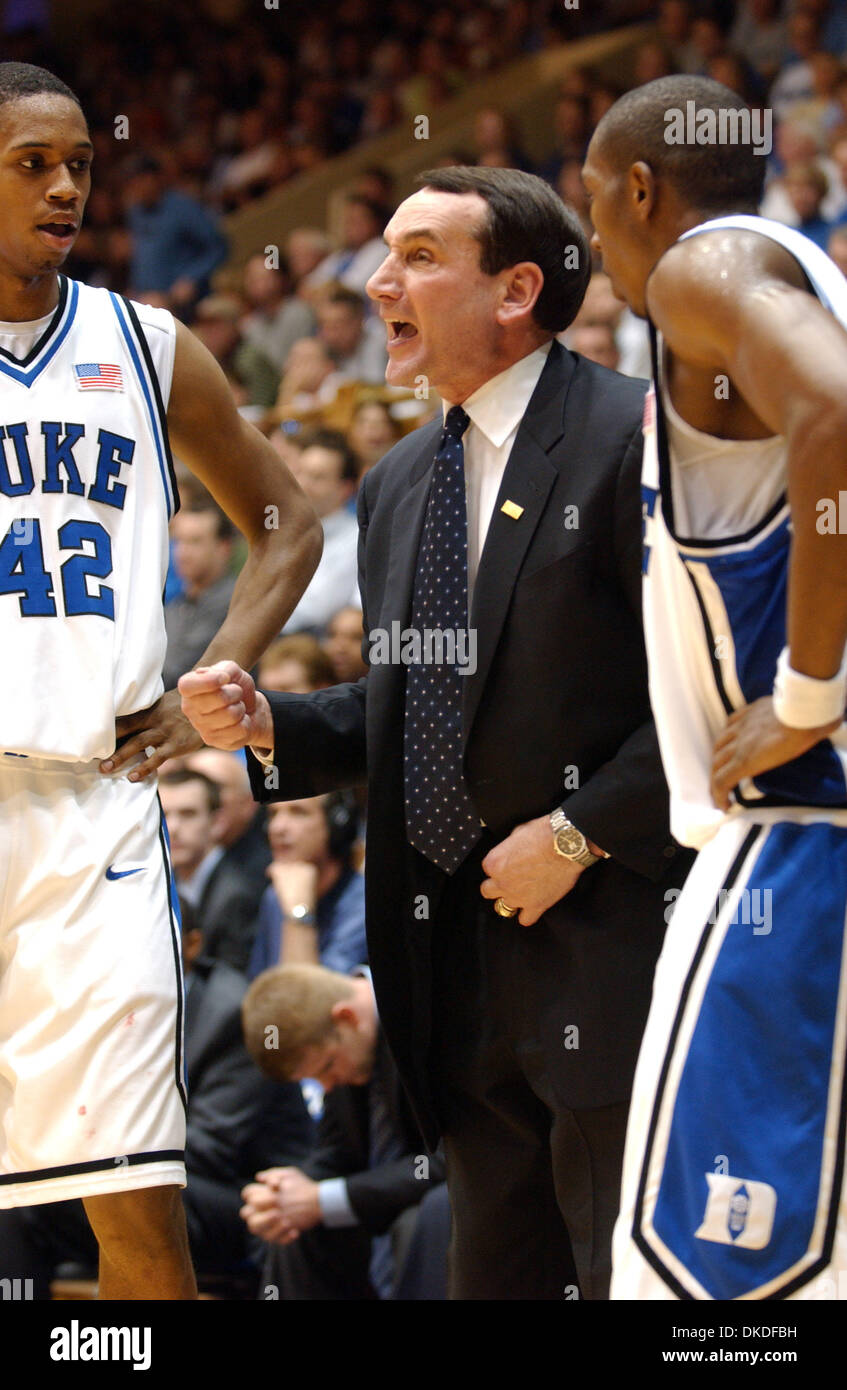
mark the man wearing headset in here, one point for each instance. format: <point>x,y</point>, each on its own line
<point>313,911</point>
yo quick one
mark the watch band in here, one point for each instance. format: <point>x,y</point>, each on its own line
<point>584,856</point>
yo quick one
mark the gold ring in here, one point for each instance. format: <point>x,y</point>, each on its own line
<point>503,910</point>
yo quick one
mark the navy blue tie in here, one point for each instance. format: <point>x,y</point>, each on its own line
<point>440,818</point>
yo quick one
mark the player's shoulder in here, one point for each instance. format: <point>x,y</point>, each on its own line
<point>152,319</point>
<point>728,256</point>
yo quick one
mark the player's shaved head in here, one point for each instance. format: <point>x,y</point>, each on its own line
<point>715,177</point>
<point>19,80</point>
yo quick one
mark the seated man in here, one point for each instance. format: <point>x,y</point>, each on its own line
<point>326,1223</point>
<point>236,1119</point>
<point>313,911</point>
<point>219,890</point>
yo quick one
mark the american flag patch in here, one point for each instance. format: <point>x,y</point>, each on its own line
<point>98,376</point>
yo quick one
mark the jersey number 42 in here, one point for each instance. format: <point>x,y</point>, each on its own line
<point>22,569</point>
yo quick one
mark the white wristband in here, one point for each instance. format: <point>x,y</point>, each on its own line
<point>804,702</point>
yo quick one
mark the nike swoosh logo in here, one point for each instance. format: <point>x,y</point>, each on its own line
<point>112,874</point>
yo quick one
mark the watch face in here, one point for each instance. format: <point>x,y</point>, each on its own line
<point>570,840</point>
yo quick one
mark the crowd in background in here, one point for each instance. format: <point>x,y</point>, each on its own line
<point>220,116</point>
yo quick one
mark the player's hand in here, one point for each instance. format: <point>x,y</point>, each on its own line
<point>163,728</point>
<point>225,708</point>
<point>754,741</point>
<point>525,870</point>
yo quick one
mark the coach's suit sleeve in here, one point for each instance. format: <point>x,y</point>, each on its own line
<point>319,739</point>
<point>623,807</point>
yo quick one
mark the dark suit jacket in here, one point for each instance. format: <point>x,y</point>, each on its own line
<point>238,1121</point>
<point>557,712</point>
<point>226,913</point>
<point>377,1194</point>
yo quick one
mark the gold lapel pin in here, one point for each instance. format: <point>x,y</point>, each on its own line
<point>512,509</point>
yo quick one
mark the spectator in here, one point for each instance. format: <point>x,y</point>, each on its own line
<point>326,471</point>
<point>203,543</point>
<point>596,341</point>
<point>253,378</point>
<point>806,186</point>
<point>372,432</point>
<point>496,133</point>
<point>278,318</point>
<point>326,1223</point>
<point>354,339</point>
<point>675,34</point>
<point>297,663</point>
<point>176,243</point>
<point>795,80</point>
<point>362,247</point>
<point>257,166</point>
<point>305,249</point>
<point>236,1120</point>
<point>837,248</point>
<point>314,907</point>
<point>571,131</point>
<point>310,380</point>
<point>218,890</point>
<point>759,35</point>
<point>343,644</point>
<point>240,825</point>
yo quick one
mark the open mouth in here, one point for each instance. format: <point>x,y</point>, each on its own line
<point>399,331</point>
<point>60,232</point>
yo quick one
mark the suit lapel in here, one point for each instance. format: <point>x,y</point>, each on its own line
<point>527,481</point>
<point>407,524</point>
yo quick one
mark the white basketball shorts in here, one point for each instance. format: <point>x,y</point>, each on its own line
<point>733,1183</point>
<point>92,1094</point>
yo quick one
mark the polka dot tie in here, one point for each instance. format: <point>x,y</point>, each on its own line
<point>440,818</point>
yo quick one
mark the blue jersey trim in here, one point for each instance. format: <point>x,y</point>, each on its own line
<point>50,342</point>
<point>152,413</point>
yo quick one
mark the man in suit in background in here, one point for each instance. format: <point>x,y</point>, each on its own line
<point>512,959</point>
<point>327,1222</point>
<point>222,895</point>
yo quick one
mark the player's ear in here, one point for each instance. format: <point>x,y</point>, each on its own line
<point>641,187</point>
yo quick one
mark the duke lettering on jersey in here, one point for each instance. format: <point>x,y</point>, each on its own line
<point>86,493</point>
<point>112,452</point>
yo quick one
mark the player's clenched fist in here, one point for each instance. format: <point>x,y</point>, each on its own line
<point>226,709</point>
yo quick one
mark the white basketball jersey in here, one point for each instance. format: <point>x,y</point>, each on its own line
<point>715,592</point>
<point>86,492</point>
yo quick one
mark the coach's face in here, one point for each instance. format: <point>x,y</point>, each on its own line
<point>440,310</point>
<point>45,179</point>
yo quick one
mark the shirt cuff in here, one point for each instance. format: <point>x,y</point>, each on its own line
<point>266,759</point>
<point>335,1203</point>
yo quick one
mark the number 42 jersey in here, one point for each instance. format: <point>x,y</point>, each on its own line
<point>87,489</point>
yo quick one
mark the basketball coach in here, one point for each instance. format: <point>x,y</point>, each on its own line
<point>518,855</point>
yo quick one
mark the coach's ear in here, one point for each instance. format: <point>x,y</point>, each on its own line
<point>641,187</point>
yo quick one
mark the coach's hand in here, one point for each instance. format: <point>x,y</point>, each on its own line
<point>755,741</point>
<point>525,870</point>
<point>225,708</point>
<point>163,728</point>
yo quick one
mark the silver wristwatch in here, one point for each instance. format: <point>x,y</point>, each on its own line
<point>569,842</point>
<point>302,913</point>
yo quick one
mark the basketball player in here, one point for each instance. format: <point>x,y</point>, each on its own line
<point>733,1178</point>
<point>91,1073</point>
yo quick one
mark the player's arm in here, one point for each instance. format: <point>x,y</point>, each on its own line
<point>256,490</point>
<point>741,312</point>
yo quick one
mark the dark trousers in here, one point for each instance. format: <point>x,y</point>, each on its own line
<point>534,1185</point>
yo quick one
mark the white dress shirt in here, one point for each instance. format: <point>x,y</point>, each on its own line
<point>496,410</point>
